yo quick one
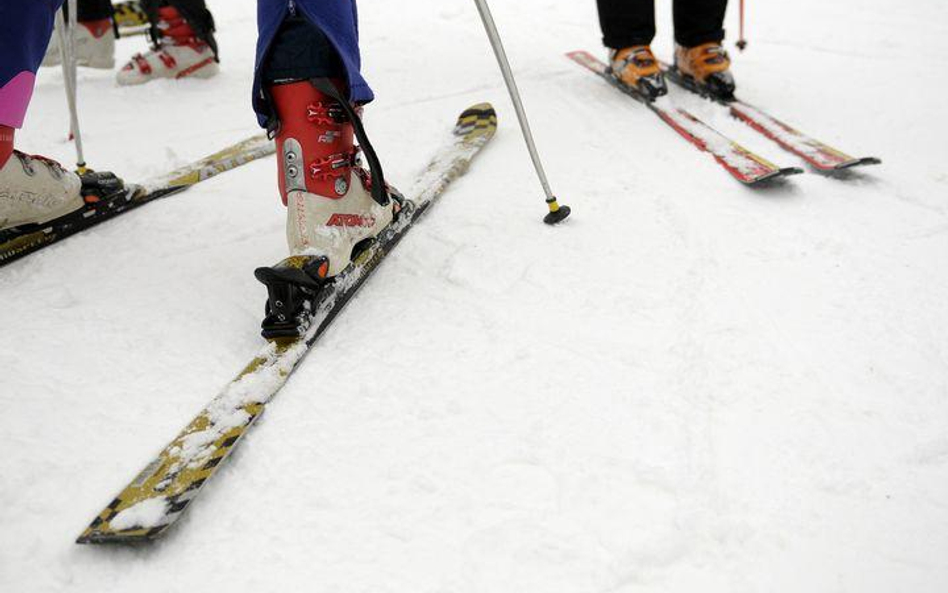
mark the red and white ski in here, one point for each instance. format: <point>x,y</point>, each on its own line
<point>821,156</point>
<point>741,163</point>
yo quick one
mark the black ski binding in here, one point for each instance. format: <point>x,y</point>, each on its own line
<point>98,185</point>
<point>293,287</point>
<point>719,87</point>
<point>647,90</point>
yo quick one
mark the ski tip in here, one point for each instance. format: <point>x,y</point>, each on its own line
<point>477,121</point>
<point>776,174</point>
<point>107,536</point>
<point>862,162</point>
<point>787,171</point>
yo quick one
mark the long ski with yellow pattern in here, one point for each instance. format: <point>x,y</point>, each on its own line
<point>130,18</point>
<point>22,241</point>
<point>157,497</point>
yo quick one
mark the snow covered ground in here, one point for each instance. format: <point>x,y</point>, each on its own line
<point>691,386</point>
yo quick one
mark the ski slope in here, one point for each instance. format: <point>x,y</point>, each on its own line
<point>689,386</point>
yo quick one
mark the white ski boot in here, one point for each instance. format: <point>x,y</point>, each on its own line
<point>179,54</point>
<point>95,46</point>
<point>35,190</point>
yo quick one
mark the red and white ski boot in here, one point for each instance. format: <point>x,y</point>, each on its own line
<point>335,208</point>
<point>328,195</point>
<point>178,54</point>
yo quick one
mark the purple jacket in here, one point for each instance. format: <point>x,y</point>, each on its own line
<point>337,19</point>
<point>25,29</point>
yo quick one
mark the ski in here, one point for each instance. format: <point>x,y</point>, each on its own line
<point>21,241</point>
<point>741,163</point>
<point>158,496</point>
<point>130,18</point>
<point>819,155</point>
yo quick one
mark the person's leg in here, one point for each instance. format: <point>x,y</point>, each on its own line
<point>31,190</point>
<point>628,27</point>
<point>300,51</point>
<point>627,23</point>
<point>699,55</point>
<point>25,30</point>
<point>197,15</point>
<point>699,21</point>
<point>95,37</point>
<point>336,22</point>
<point>94,10</point>
<point>307,92</point>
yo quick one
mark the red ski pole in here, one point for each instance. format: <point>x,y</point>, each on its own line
<point>741,41</point>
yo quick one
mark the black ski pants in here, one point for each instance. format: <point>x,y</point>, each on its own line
<point>300,51</point>
<point>93,10</point>
<point>632,22</point>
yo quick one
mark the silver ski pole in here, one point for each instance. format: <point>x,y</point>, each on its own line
<point>67,53</point>
<point>557,213</point>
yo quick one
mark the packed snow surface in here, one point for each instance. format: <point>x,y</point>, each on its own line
<point>147,513</point>
<point>689,386</point>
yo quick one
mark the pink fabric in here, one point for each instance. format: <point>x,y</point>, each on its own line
<point>14,98</point>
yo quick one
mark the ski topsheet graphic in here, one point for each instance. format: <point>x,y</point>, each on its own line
<point>130,18</point>
<point>158,496</point>
<point>21,241</point>
<point>741,163</point>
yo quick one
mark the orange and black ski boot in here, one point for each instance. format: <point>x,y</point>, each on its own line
<point>706,69</point>
<point>637,68</point>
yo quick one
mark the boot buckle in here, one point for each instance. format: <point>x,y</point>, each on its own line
<point>325,114</point>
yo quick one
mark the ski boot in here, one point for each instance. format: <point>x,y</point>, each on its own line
<point>178,53</point>
<point>335,209</point>
<point>95,46</point>
<point>637,68</point>
<point>706,70</point>
<point>33,189</point>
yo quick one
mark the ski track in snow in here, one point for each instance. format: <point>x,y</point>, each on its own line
<point>690,386</point>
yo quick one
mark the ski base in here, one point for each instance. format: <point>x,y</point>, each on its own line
<point>745,166</point>
<point>157,497</point>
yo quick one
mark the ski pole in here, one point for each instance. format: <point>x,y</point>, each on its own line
<point>741,41</point>
<point>557,213</point>
<point>67,53</point>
